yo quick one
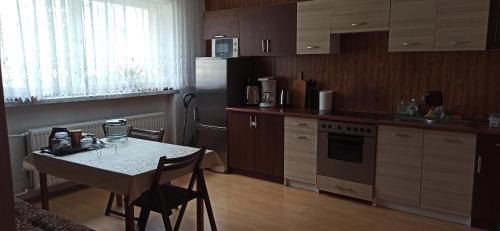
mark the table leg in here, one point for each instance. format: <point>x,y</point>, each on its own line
<point>44,192</point>
<point>129,215</point>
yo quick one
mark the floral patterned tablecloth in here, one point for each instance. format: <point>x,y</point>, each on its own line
<point>122,167</point>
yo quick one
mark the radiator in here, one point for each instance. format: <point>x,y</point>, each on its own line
<point>38,138</point>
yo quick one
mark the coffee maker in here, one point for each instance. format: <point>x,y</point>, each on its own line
<point>268,92</point>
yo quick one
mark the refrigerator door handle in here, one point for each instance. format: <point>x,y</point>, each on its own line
<point>196,114</point>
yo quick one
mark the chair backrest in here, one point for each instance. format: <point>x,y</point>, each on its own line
<point>193,161</point>
<point>146,134</point>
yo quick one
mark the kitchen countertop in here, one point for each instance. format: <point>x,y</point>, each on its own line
<point>480,127</point>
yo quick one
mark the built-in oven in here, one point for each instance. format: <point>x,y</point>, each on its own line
<point>346,158</point>
<point>225,47</point>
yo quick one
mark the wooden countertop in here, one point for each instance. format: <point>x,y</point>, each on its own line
<point>479,127</point>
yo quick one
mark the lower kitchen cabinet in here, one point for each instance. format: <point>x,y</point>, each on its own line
<point>448,172</point>
<point>301,152</point>
<point>255,145</point>
<point>399,165</point>
<point>486,202</point>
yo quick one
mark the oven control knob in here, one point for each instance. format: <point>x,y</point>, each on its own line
<point>355,129</point>
<point>362,130</point>
<point>368,130</point>
<point>348,128</point>
<point>339,128</point>
<point>329,126</point>
<point>324,126</point>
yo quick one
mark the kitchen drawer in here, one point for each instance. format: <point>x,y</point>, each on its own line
<point>300,125</point>
<point>347,188</point>
<point>359,15</point>
<point>448,172</point>
<point>398,165</point>
<point>300,142</point>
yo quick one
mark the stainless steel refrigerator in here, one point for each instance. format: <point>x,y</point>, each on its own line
<point>220,83</point>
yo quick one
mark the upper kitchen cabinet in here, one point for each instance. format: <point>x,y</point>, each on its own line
<point>494,25</point>
<point>220,24</point>
<point>313,28</point>
<point>412,25</point>
<point>348,16</point>
<point>461,24</point>
<point>268,31</point>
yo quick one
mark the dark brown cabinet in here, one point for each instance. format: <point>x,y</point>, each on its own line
<point>255,145</point>
<point>494,25</point>
<point>268,31</point>
<point>486,202</point>
<point>220,24</point>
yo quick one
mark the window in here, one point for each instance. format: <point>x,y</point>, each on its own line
<point>72,48</point>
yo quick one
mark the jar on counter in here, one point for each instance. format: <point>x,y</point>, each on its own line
<point>61,142</point>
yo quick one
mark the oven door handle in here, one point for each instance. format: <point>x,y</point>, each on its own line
<point>339,137</point>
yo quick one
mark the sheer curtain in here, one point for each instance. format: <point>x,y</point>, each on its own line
<point>70,48</point>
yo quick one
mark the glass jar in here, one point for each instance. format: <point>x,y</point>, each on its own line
<point>116,130</point>
<point>61,142</point>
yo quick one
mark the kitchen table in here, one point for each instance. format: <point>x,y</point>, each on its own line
<point>125,168</point>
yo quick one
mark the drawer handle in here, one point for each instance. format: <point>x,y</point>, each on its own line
<point>450,140</point>
<point>301,137</point>
<point>400,135</point>
<point>479,164</point>
<point>453,43</point>
<point>406,44</point>
<point>345,189</point>
<point>300,124</point>
<point>498,145</point>
<point>358,24</point>
<point>312,47</point>
<point>220,36</point>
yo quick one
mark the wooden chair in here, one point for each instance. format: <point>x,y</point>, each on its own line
<point>139,134</point>
<point>162,198</point>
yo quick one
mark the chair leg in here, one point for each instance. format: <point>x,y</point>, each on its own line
<point>110,204</point>
<point>208,205</point>
<point>166,221</point>
<point>143,218</point>
<point>179,217</point>
<point>119,200</point>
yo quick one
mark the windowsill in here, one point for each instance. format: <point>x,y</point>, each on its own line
<point>90,98</point>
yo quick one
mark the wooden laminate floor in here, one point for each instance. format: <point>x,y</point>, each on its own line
<point>242,204</point>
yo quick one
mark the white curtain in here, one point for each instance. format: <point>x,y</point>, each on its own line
<point>70,48</point>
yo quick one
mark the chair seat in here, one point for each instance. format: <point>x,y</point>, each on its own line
<point>174,197</point>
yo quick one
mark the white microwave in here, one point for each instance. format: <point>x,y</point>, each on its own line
<point>225,47</point>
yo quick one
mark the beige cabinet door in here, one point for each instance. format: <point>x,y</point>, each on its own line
<point>300,149</point>
<point>448,172</point>
<point>412,25</point>
<point>462,24</point>
<point>313,27</point>
<point>398,170</point>
<point>349,16</point>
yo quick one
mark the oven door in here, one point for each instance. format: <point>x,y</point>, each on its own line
<point>225,48</point>
<point>347,157</point>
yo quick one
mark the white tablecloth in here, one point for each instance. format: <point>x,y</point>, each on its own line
<point>126,168</point>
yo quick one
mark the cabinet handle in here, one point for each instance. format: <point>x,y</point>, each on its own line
<point>400,135</point>
<point>406,44</point>
<point>498,145</point>
<point>253,122</point>
<point>479,164</point>
<point>358,24</point>
<point>345,189</point>
<point>312,47</point>
<point>300,124</point>
<point>268,47</point>
<point>263,46</point>
<point>450,140</point>
<point>453,43</point>
<point>301,137</point>
<point>220,36</point>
